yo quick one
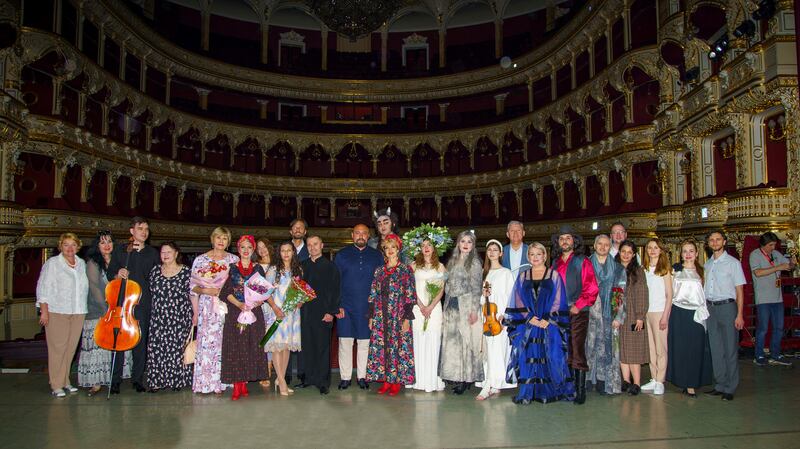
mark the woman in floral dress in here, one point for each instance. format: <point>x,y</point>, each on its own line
<point>170,322</point>
<point>391,302</point>
<point>287,338</point>
<point>209,273</point>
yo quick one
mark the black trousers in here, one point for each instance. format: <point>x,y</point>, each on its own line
<point>139,352</point>
<point>315,336</point>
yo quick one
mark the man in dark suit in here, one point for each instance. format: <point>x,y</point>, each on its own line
<point>515,253</point>
<point>140,261</point>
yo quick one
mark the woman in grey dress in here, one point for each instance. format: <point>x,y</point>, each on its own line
<point>601,351</point>
<point>461,360</point>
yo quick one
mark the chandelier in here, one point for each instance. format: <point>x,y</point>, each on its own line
<point>354,18</point>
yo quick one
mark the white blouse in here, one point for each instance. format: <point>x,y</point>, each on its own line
<point>687,293</point>
<point>64,289</point>
<point>656,286</point>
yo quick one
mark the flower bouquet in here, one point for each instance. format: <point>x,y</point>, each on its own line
<point>213,276</point>
<point>439,236</point>
<point>617,302</point>
<point>299,292</point>
<point>256,290</point>
<point>433,287</point>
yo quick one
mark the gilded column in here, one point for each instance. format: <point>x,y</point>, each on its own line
<point>324,32</point>
<point>267,201</point>
<point>332,205</point>
<point>123,55</point>
<point>299,202</point>
<point>205,24</point>
<point>87,173</point>
<point>468,201</point>
<point>518,197</point>
<point>111,183</point>
<point>530,94</point>
<point>206,197</point>
<point>602,178</point>
<point>500,103</point>
<point>235,204</point>
<point>101,46</point>
<point>167,87</point>
<point>443,112</point>
<point>264,42</point>
<point>262,109</point>
<point>438,200</point>
<point>181,196</point>
<point>202,97</point>
<point>498,38</point>
<point>442,47</point>
<point>384,48</point>
<point>158,188</point>
<point>79,26</point>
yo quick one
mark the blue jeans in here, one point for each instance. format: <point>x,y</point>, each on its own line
<point>766,313</point>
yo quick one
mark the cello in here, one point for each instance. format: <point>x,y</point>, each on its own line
<point>118,329</point>
<point>491,326</point>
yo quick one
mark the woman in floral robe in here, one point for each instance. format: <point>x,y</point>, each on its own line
<point>209,273</point>
<point>391,301</point>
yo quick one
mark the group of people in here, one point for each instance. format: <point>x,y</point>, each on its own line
<point>550,322</point>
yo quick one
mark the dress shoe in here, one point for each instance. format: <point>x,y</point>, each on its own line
<point>115,388</point>
<point>727,397</point>
<point>460,388</point>
<point>362,383</point>
<point>237,391</point>
<point>383,389</point>
<point>394,389</point>
<point>520,401</point>
<point>302,385</point>
<point>686,393</point>
<point>625,386</point>
<point>344,385</point>
<point>634,390</point>
<point>323,390</point>
<point>713,393</point>
<point>139,387</point>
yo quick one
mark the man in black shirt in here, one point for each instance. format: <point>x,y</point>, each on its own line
<point>142,260</point>
<point>316,319</point>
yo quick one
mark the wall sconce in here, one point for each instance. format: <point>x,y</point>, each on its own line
<point>778,129</point>
<point>728,147</point>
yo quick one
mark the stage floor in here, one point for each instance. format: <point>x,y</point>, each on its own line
<point>764,414</point>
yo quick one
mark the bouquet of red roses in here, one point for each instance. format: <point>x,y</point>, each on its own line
<point>298,293</point>
<point>617,300</point>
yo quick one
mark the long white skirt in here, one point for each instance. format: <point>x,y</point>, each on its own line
<point>496,353</point>
<point>427,345</point>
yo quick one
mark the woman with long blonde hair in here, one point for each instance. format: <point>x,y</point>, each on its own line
<point>659,285</point>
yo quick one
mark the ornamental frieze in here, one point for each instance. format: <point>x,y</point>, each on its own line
<point>577,35</point>
<point>73,146</point>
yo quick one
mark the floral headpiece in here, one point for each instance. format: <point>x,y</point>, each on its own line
<point>439,236</point>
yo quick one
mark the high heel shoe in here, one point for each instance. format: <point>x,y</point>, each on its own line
<point>383,389</point>
<point>394,389</point>
<point>280,387</point>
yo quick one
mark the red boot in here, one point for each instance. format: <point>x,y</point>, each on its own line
<point>394,390</point>
<point>386,386</point>
<point>243,390</point>
<point>237,390</point>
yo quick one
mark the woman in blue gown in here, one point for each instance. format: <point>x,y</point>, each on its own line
<point>538,321</point>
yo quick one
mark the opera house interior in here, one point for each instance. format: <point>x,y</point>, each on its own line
<point>672,117</point>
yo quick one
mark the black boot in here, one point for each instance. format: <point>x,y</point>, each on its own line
<point>580,387</point>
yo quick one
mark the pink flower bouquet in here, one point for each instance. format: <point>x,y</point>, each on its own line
<point>256,290</point>
<point>213,276</point>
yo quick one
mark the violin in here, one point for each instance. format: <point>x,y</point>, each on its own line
<point>118,329</point>
<point>491,326</point>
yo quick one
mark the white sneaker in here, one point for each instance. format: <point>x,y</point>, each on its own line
<point>71,389</point>
<point>649,386</point>
<point>659,389</point>
<point>58,393</point>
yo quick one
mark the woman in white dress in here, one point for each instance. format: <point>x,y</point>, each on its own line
<point>266,259</point>
<point>497,285</point>
<point>287,337</point>
<point>427,323</point>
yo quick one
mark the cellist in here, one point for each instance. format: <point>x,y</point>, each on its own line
<point>142,260</point>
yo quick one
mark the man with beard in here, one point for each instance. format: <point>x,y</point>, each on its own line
<point>297,230</point>
<point>357,264</point>
<point>581,291</point>
<point>317,316</point>
<point>724,289</point>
